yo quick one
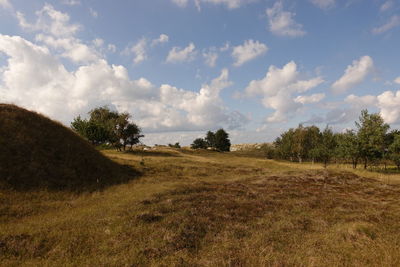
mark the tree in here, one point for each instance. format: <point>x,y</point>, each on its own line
<point>176,145</point>
<point>199,143</point>
<point>284,145</point>
<point>394,151</point>
<point>106,126</point>
<point>222,142</point>
<point>371,135</point>
<point>133,134</point>
<point>348,147</point>
<point>327,146</point>
<point>210,139</point>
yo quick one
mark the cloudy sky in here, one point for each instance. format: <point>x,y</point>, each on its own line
<point>182,67</point>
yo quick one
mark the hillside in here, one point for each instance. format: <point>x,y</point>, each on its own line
<point>36,152</point>
<point>204,208</point>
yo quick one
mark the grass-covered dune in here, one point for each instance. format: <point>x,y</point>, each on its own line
<point>203,208</point>
<point>36,152</point>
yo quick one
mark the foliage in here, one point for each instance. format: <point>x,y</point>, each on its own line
<point>199,143</point>
<point>108,127</point>
<point>218,141</point>
<point>222,142</point>
<point>370,143</point>
<point>176,145</point>
<point>394,150</point>
<point>371,135</point>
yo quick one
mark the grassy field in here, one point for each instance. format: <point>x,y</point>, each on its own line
<point>190,208</point>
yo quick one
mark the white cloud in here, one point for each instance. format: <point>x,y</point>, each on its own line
<point>324,4</point>
<point>282,23</point>
<point>160,40</point>
<point>180,3</point>
<point>393,22</point>
<point>389,104</point>
<point>386,6</point>
<point>176,54</point>
<point>70,48</point>
<point>71,2</point>
<point>98,42</point>
<point>112,48</point>
<point>225,47</point>
<point>5,4</point>
<point>230,4</point>
<point>248,51</point>
<point>354,74</point>
<point>139,51</point>
<point>50,21</point>
<point>278,87</point>
<point>314,98</point>
<point>397,80</point>
<point>210,57</point>
<point>93,13</point>
<point>35,78</point>
<point>361,102</point>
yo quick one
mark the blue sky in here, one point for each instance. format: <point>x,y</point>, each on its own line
<point>182,67</point>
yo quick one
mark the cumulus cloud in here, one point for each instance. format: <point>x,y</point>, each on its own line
<point>210,57</point>
<point>160,40</point>
<point>177,54</point>
<point>397,80</point>
<point>278,88</point>
<point>248,51</point>
<point>354,74</point>
<point>361,102</point>
<point>282,22</point>
<point>50,21</point>
<point>393,22</point>
<point>139,51</point>
<point>389,104</point>
<point>324,4</point>
<point>36,79</point>
<point>314,98</point>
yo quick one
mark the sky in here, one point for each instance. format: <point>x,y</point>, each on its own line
<point>182,67</point>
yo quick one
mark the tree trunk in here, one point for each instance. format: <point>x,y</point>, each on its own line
<point>365,164</point>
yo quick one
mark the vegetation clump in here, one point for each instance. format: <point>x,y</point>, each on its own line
<point>108,127</point>
<point>218,141</point>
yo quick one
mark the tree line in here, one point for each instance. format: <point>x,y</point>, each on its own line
<point>370,144</point>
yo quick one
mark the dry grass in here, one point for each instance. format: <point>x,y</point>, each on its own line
<point>36,152</point>
<point>201,208</point>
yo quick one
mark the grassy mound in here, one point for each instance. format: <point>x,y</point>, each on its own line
<point>36,152</point>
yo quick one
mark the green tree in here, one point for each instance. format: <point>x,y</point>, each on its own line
<point>394,150</point>
<point>199,143</point>
<point>327,146</point>
<point>210,139</point>
<point>106,126</point>
<point>222,142</point>
<point>348,147</point>
<point>371,135</point>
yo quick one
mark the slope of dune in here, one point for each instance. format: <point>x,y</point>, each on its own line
<point>36,152</point>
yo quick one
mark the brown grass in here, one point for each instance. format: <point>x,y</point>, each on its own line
<point>36,152</point>
<point>201,208</point>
